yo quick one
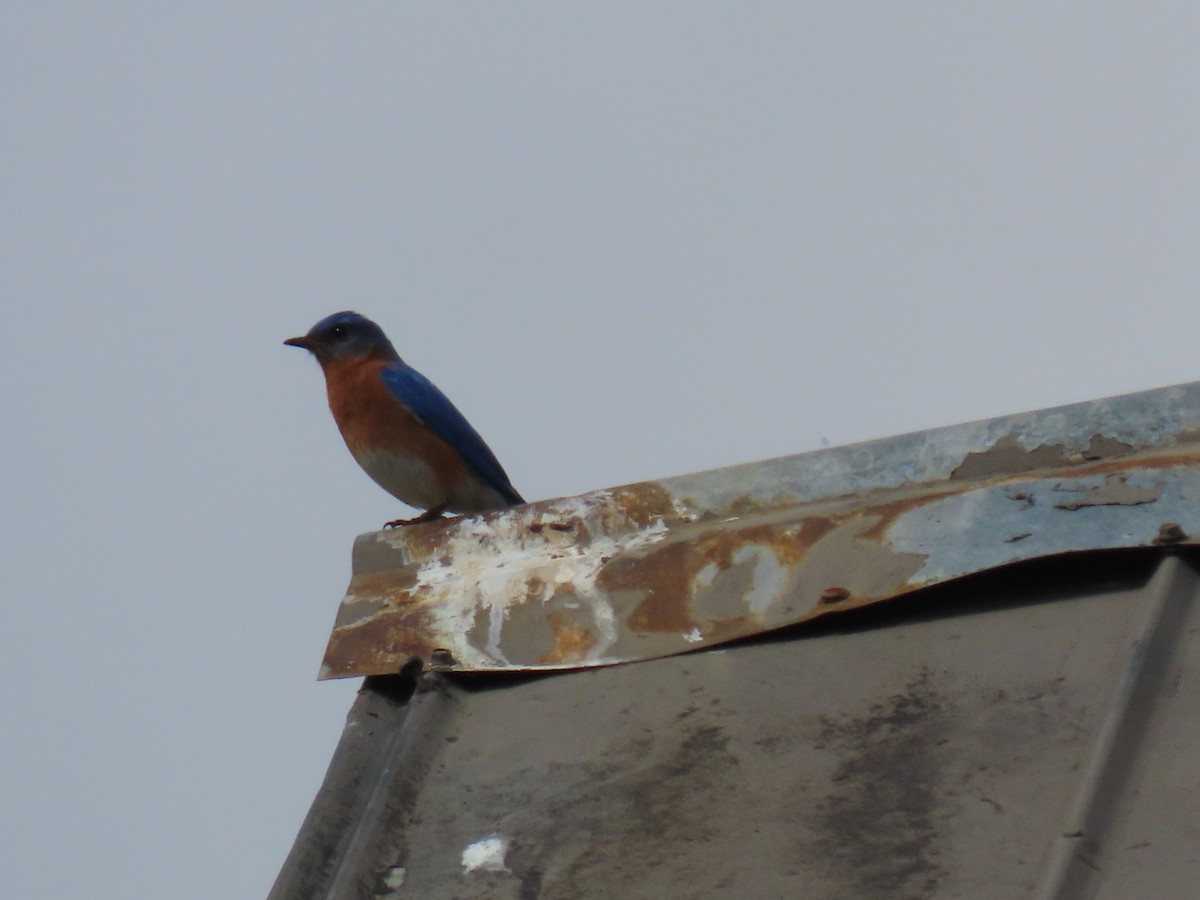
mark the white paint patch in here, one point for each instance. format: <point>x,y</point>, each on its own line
<point>487,567</point>
<point>769,577</point>
<point>486,854</point>
<point>694,636</point>
<point>707,575</point>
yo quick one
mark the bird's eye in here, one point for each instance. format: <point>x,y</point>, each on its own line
<point>338,332</point>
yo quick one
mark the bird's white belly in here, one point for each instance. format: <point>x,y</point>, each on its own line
<point>406,477</point>
<point>409,478</point>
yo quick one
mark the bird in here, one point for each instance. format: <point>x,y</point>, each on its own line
<point>402,430</point>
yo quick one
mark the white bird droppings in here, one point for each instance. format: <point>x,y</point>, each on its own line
<point>486,854</point>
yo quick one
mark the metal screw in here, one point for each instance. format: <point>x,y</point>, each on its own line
<point>441,657</point>
<point>1170,533</point>
<point>834,595</point>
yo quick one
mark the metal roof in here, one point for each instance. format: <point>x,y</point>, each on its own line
<point>1023,725</point>
<point>666,567</point>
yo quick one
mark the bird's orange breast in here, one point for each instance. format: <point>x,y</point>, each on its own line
<point>373,421</point>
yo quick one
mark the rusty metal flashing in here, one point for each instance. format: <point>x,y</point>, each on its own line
<point>660,568</point>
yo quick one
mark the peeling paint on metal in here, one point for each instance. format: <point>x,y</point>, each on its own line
<point>991,527</point>
<point>1115,490</point>
<point>660,568</point>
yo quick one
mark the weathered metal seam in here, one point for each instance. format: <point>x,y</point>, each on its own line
<point>407,755</point>
<point>1073,863</point>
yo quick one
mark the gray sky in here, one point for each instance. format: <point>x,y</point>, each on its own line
<point>630,240</point>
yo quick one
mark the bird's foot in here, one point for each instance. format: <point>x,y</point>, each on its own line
<point>428,516</point>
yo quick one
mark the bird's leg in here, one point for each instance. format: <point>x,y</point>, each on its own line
<point>428,516</point>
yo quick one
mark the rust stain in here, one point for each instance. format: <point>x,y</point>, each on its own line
<point>789,541</point>
<point>748,506</point>
<point>718,548</point>
<point>666,577</point>
<point>571,642</point>
<point>372,645</point>
<point>394,584</point>
<point>663,577</point>
<point>643,504</point>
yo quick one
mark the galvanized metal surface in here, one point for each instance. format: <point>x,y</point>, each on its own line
<point>1025,733</point>
<point>660,568</point>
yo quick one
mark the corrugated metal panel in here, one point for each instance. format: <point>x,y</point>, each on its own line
<point>1029,732</point>
<point>661,568</point>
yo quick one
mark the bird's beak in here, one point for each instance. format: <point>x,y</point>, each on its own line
<point>303,342</point>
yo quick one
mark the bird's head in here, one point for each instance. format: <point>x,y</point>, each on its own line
<point>344,334</point>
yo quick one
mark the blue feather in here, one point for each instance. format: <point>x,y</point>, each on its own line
<point>442,417</point>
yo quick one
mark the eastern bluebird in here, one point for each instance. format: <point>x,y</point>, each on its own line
<point>399,427</point>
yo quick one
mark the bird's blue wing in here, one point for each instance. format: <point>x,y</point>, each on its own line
<point>442,417</point>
